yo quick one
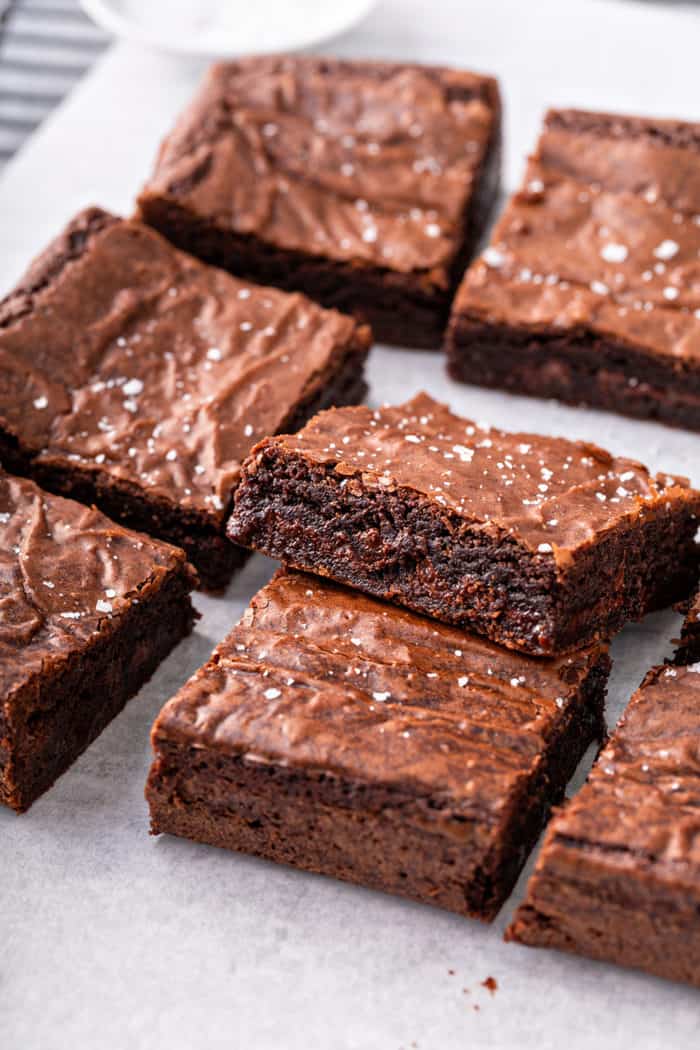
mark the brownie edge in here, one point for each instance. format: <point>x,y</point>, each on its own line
<point>542,544</point>
<point>331,732</point>
<point>89,611</point>
<point>689,648</point>
<point>406,171</point>
<point>136,378</point>
<point>618,876</point>
<point>584,292</point>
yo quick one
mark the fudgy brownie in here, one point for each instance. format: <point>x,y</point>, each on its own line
<point>689,649</point>
<point>345,736</point>
<point>619,873</point>
<point>366,185</point>
<point>135,377</point>
<point>89,610</point>
<point>540,543</point>
<point>590,289</point>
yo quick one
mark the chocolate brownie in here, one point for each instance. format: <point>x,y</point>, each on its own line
<point>589,291</point>
<point>134,377</point>
<point>366,185</point>
<point>540,543</point>
<point>345,736</point>
<point>89,610</point>
<point>618,877</point>
<point>689,649</point>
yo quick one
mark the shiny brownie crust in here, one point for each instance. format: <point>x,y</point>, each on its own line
<point>417,506</point>
<point>89,611</point>
<point>136,378</point>
<point>332,732</point>
<point>618,877</point>
<point>586,293</point>
<point>439,128</point>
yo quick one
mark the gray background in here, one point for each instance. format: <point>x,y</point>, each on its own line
<point>110,939</point>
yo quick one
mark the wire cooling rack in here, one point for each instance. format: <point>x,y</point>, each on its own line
<point>45,47</point>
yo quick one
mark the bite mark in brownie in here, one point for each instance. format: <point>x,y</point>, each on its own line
<point>540,543</point>
<point>366,185</point>
<point>618,877</point>
<point>89,610</point>
<point>589,291</point>
<point>345,736</point>
<point>135,377</point>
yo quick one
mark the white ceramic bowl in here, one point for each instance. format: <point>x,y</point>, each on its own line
<point>227,28</point>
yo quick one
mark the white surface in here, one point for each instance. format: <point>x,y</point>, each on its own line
<point>230,27</point>
<point>110,939</point>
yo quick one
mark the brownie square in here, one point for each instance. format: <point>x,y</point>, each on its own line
<point>590,289</point>
<point>348,737</point>
<point>689,649</point>
<point>366,185</point>
<point>89,610</point>
<point>540,543</point>
<point>618,877</point>
<point>135,377</point>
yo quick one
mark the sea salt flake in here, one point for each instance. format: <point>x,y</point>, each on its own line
<point>272,694</point>
<point>614,253</point>
<point>465,454</point>
<point>41,402</point>
<point>493,258</point>
<point>103,606</point>
<point>666,250</point>
<point>381,697</point>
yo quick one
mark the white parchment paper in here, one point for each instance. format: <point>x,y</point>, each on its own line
<point>110,939</point>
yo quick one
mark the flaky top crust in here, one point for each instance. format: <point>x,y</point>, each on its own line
<point>552,495</point>
<point>122,356</point>
<point>67,576</point>
<point>321,678</point>
<point>363,162</point>
<point>642,798</point>
<point>603,237</point>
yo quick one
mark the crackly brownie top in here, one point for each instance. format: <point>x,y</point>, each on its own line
<point>603,235</point>
<point>551,494</point>
<point>66,574</point>
<point>356,161</point>
<point>128,358</point>
<point>322,678</point>
<point>643,795</point>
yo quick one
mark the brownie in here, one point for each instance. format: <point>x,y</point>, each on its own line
<point>345,736</point>
<point>89,609</point>
<point>135,377</point>
<point>689,649</point>
<point>366,185</point>
<point>590,289</point>
<point>540,543</point>
<point>618,877</point>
